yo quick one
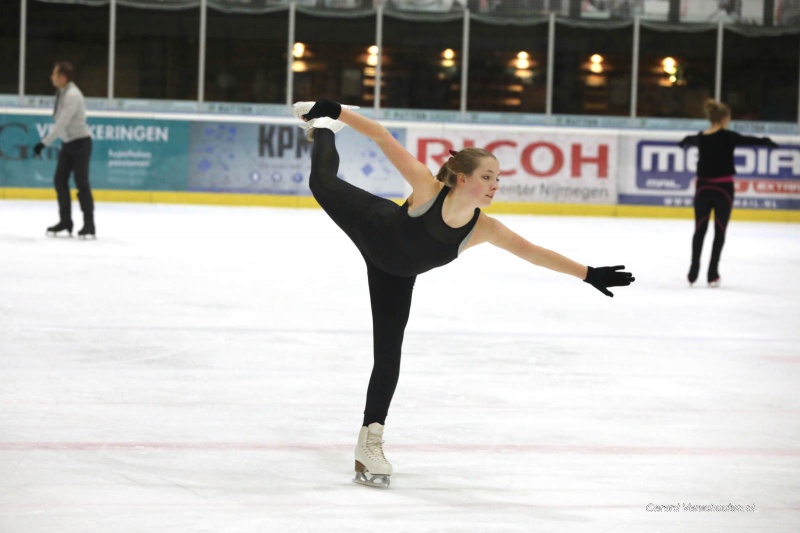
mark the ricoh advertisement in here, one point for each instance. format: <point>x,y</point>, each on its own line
<point>536,165</point>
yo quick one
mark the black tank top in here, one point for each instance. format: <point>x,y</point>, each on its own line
<point>404,245</point>
<point>715,158</point>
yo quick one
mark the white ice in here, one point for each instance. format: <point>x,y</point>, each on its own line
<point>203,369</point>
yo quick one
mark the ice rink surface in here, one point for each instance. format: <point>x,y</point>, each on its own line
<point>203,369</point>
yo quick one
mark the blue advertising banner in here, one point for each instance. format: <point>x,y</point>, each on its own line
<point>664,174</point>
<point>127,153</point>
<point>276,159</point>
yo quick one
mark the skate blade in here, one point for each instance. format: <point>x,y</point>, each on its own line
<point>379,481</point>
<point>58,235</point>
<point>85,237</point>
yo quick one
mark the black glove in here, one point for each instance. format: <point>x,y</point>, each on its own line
<point>324,108</point>
<point>37,150</point>
<point>771,143</point>
<point>602,277</point>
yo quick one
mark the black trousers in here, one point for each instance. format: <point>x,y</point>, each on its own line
<point>390,296</point>
<point>716,197</point>
<point>74,159</point>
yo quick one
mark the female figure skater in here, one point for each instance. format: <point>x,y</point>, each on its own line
<point>714,189</point>
<point>440,219</point>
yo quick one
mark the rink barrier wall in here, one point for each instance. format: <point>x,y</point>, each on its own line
<point>265,161</point>
<point>303,202</point>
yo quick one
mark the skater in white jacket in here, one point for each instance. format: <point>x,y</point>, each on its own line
<point>76,151</point>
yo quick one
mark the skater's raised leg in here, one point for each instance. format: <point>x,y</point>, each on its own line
<point>302,108</point>
<point>345,203</point>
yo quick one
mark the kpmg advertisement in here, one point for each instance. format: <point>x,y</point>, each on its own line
<point>659,172</point>
<point>276,159</point>
<point>127,153</point>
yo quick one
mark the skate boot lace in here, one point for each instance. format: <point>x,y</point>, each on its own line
<point>375,447</point>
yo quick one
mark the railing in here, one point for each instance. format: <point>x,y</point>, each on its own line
<point>610,14</point>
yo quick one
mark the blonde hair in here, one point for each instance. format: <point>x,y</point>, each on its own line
<point>462,162</point>
<point>716,112</point>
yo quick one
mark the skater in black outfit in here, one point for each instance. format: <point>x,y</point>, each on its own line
<point>438,221</point>
<point>714,189</point>
<point>76,150</point>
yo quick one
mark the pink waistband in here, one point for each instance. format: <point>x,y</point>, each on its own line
<point>721,179</point>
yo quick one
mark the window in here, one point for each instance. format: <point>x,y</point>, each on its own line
<point>157,53</point>
<point>422,64</point>
<point>676,72</point>
<point>74,33</point>
<point>592,74</point>
<point>246,57</point>
<point>9,49</point>
<point>332,59</point>
<point>507,68</point>
<point>760,76</point>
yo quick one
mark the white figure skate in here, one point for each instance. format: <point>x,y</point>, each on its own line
<point>372,468</point>
<point>301,108</point>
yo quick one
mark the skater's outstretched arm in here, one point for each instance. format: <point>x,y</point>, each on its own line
<point>747,140</point>
<point>413,171</point>
<point>689,140</point>
<point>491,230</point>
<point>495,232</point>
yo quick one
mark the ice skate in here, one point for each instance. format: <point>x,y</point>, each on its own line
<point>713,277</point>
<point>301,108</point>
<point>694,270</point>
<point>87,231</point>
<point>372,468</point>
<point>53,231</point>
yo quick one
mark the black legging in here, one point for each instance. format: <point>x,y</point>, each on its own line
<point>390,296</point>
<point>719,198</point>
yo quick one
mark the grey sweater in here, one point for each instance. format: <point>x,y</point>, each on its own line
<point>70,116</point>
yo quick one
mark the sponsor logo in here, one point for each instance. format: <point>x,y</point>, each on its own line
<point>277,141</point>
<point>118,132</point>
<point>14,142</point>
<point>540,159</point>
<point>664,166</point>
